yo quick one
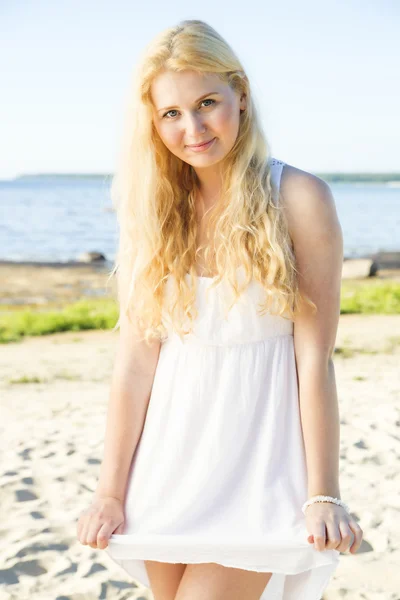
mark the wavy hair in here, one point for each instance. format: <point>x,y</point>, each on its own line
<point>153,192</point>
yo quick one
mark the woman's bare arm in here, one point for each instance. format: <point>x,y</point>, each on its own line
<point>318,244</point>
<point>131,384</point>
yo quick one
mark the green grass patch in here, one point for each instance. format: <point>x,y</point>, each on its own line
<point>67,376</point>
<point>344,351</point>
<point>24,379</point>
<point>27,379</point>
<point>79,316</point>
<point>369,296</point>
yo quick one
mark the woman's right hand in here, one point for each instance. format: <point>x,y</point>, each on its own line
<point>103,517</point>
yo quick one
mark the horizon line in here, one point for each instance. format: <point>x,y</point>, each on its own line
<point>352,175</point>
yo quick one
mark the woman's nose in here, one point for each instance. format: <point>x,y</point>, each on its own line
<point>194,126</point>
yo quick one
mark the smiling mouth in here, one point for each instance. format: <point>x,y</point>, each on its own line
<point>194,146</point>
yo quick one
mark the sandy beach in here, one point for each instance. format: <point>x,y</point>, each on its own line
<point>54,394</point>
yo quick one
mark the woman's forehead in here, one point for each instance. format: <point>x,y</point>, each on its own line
<point>171,88</point>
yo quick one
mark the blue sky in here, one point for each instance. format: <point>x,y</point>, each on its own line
<point>324,75</point>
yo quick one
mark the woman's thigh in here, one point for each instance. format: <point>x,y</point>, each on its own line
<point>215,582</point>
<point>164,578</point>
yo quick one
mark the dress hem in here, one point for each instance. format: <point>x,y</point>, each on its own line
<point>268,557</point>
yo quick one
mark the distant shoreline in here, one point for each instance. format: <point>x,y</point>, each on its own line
<point>100,265</point>
<point>386,259</point>
<point>333,177</point>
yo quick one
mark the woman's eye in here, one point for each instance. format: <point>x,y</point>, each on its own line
<point>206,100</point>
<point>167,113</point>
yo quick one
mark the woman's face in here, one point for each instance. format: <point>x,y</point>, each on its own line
<point>191,108</point>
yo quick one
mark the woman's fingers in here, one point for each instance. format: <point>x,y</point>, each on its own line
<point>319,536</point>
<point>103,535</point>
<point>346,535</point>
<point>84,531</point>
<point>81,523</point>
<point>358,536</point>
<point>334,537</point>
<point>330,527</point>
<point>340,536</point>
<point>120,529</point>
<point>97,523</point>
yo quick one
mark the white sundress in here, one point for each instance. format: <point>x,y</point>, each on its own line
<point>219,473</point>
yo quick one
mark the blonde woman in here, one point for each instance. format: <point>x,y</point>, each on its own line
<point>220,472</point>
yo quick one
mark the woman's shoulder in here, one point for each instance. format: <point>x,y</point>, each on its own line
<point>297,186</point>
<point>292,175</point>
<point>307,201</point>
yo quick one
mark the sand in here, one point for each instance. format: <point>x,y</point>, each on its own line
<point>54,394</point>
<point>44,285</point>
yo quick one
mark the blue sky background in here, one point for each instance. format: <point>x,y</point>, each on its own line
<point>324,75</point>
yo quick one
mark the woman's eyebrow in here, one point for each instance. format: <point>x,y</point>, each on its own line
<point>198,99</point>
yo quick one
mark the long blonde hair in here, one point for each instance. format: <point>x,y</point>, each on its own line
<point>153,193</point>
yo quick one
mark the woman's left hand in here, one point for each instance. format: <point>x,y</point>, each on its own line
<point>332,528</point>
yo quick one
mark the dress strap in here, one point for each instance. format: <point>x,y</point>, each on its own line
<point>276,174</point>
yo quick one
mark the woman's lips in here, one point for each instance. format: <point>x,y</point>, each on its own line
<point>201,147</point>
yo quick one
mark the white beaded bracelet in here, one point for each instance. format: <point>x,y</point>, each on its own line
<point>325,499</point>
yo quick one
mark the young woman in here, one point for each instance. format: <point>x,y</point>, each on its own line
<point>220,472</point>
